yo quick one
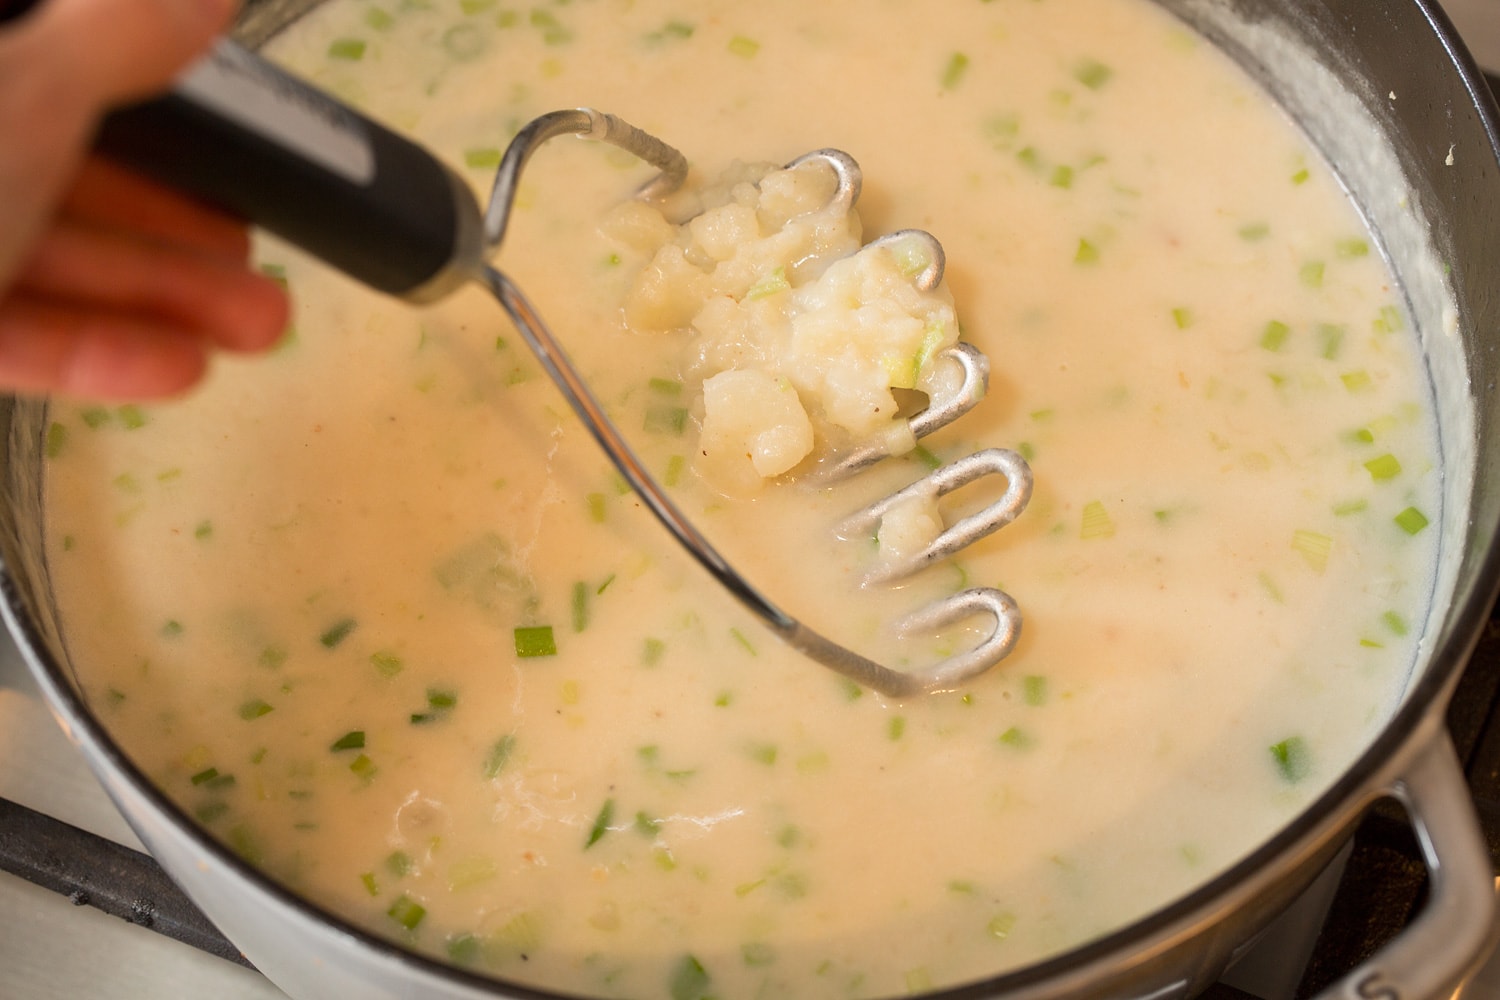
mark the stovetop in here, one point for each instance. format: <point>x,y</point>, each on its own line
<point>52,947</point>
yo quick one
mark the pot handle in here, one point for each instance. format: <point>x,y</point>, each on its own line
<point>1454,930</point>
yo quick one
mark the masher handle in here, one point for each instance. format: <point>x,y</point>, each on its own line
<point>242,134</point>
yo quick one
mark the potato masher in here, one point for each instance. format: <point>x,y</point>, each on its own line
<point>239,132</point>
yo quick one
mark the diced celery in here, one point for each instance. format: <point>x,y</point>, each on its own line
<point>1096,521</point>
<point>600,826</point>
<point>1314,546</point>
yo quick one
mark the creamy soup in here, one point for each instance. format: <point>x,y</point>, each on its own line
<point>379,614</point>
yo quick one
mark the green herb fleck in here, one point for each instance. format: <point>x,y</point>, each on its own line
<point>352,740</point>
<point>482,157</point>
<point>1034,690</point>
<point>745,48</point>
<point>1274,336</point>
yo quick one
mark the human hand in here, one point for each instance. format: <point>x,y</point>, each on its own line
<point>111,286</point>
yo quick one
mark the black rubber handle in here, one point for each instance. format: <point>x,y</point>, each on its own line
<point>241,133</point>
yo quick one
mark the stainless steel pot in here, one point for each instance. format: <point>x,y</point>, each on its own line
<point>1384,88</point>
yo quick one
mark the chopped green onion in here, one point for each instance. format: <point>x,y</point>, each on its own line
<point>1034,690</point>
<point>1388,321</point>
<point>205,776</point>
<point>1383,467</point>
<point>740,638</point>
<point>337,632</point>
<point>1062,177</point>
<point>745,48</point>
<point>132,417</point>
<point>580,606</point>
<point>352,740</point>
<point>601,823</point>
<point>388,664</point>
<point>651,651</point>
<point>596,507</point>
<point>1411,520</point>
<point>204,530</point>
<point>352,49</point>
<point>535,640</point>
<point>171,629</point>
<point>254,709</point>
<point>463,949</point>
<point>1352,247</point>
<point>1350,507</point>
<point>925,456</point>
<point>378,19</point>
<point>95,417</point>
<point>1394,622</point>
<point>763,753</point>
<point>1182,317</point>
<point>371,886</point>
<point>689,980</point>
<point>1301,176</point>
<point>895,728</point>
<point>671,386</point>
<point>1274,336</point>
<point>499,755</point>
<point>407,912</point>
<point>953,73</point>
<point>399,864</point>
<point>1330,339</point>
<point>1311,274</point>
<point>482,157</point>
<point>666,420</point>
<point>363,766</point>
<point>57,440</point>
<point>1000,925</point>
<point>1292,758</point>
<point>647,824</point>
<point>768,285</point>
<point>1357,381</point>
<point>1086,253</point>
<point>1092,73</point>
<point>1254,231</point>
<point>1016,737</point>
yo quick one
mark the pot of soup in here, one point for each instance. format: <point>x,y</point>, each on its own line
<point>398,680</point>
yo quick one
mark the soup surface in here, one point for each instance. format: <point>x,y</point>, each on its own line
<point>377,612</point>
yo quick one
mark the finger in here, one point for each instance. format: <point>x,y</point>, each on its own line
<point>231,306</point>
<point>116,51</point>
<point>107,196</point>
<point>51,348</point>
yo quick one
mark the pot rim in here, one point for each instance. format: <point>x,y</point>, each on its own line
<point>1348,794</point>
